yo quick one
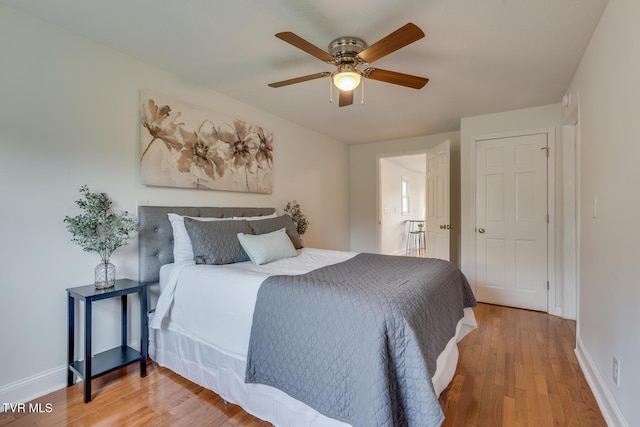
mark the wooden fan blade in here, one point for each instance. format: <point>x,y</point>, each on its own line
<point>301,43</point>
<point>395,78</point>
<point>346,98</point>
<point>300,79</point>
<point>400,38</point>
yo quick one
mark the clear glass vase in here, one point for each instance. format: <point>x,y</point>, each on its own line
<point>105,275</point>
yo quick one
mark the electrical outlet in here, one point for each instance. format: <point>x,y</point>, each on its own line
<point>616,371</point>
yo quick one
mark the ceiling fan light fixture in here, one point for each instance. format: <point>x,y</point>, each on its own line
<point>347,53</point>
<point>347,78</point>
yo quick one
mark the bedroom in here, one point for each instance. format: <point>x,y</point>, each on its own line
<point>73,104</point>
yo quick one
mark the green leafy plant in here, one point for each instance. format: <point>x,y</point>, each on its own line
<point>98,229</point>
<point>299,219</point>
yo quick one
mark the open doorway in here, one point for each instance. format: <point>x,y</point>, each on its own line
<point>414,190</point>
<point>403,195</point>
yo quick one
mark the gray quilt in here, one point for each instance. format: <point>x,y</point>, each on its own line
<point>358,340</point>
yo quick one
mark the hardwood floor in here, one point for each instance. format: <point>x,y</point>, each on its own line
<point>517,369</point>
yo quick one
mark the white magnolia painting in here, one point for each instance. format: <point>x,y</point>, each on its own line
<point>187,146</point>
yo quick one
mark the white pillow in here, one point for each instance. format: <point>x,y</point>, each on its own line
<point>264,248</point>
<point>182,249</point>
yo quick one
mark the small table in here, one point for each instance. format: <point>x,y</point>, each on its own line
<point>110,360</point>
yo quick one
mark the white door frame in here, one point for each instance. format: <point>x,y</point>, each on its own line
<point>569,245</point>
<point>571,211</point>
<point>552,298</point>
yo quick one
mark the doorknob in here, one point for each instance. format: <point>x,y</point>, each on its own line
<point>481,230</point>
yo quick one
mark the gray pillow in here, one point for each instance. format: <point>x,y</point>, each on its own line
<point>264,226</point>
<point>216,242</point>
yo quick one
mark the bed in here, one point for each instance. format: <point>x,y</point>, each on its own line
<point>245,330</point>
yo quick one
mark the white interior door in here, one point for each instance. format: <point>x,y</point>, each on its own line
<point>511,221</point>
<point>437,218</point>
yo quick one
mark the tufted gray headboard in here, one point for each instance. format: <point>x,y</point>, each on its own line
<point>155,235</point>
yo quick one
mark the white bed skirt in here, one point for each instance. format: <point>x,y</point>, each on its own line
<point>222,373</point>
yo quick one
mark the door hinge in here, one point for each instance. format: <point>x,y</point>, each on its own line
<point>547,218</point>
<point>547,285</point>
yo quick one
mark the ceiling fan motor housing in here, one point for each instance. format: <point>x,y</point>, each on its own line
<point>345,49</point>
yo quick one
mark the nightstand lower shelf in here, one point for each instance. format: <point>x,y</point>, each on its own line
<point>118,357</point>
<point>107,361</point>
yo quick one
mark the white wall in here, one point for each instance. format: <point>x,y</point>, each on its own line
<point>607,85</point>
<point>69,115</point>
<point>393,230</point>
<point>363,171</point>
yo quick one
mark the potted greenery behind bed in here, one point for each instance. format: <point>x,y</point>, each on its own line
<point>100,230</point>
<point>299,219</point>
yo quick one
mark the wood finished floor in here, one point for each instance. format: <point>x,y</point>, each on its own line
<point>517,369</point>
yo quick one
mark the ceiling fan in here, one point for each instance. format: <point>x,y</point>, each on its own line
<point>347,53</point>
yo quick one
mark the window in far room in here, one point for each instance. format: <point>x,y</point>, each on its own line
<point>405,196</point>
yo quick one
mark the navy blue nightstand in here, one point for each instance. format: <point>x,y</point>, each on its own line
<point>110,360</point>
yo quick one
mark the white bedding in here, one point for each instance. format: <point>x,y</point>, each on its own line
<point>215,303</point>
<point>205,313</point>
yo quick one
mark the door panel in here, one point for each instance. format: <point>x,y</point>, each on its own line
<point>525,265</point>
<point>437,214</point>
<point>511,221</point>
<point>495,262</point>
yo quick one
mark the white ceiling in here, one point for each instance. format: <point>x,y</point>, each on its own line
<point>416,162</point>
<point>481,56</point>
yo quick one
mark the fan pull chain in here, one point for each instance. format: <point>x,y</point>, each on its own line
<point>330,91</point>
<point>362,93</point>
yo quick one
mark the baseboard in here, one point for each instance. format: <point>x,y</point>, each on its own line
<point>38,385</point>
<point>555,311</point>
<point>33,387</point>
<point>610,410</point>
<point>398,252</point>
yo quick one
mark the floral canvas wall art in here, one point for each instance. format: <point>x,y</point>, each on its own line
<point>183,145</point>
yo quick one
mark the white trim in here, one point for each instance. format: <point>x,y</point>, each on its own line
<point>552,303</point>
<point>610,410</point>
<point>569,218</point>
<point>398,252</point>
<point>571,117</point>
<point>35,386</point>
<point>571,212</point>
